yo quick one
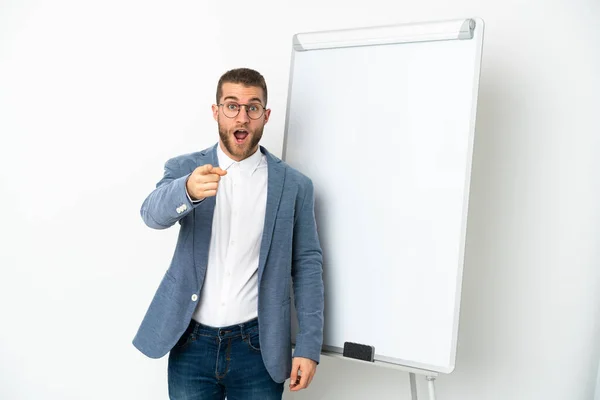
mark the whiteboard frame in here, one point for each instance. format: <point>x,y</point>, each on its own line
<point>464,29</point>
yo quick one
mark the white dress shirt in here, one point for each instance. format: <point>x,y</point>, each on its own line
<point>230,292</point>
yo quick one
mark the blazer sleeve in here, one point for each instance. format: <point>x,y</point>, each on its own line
<point>307,277</point>
<point>169,201</point>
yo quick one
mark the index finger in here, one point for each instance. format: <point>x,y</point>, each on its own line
<point>205,169</point>
<point>219,171</point>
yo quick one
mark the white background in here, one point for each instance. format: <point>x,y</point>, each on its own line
<point>95,96</point>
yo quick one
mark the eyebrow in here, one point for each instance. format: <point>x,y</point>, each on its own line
<point>255,99</point>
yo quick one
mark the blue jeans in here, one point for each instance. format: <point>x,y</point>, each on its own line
<point>210,363</point>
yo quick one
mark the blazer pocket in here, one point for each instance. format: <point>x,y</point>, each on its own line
<point>167,285</point>
<point>276,305</point>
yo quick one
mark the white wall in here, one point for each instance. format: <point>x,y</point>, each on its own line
<point>94,96</point>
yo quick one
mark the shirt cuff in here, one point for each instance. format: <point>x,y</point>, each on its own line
<point>190,199</point>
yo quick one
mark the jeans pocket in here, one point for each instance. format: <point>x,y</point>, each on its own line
<point>252,339</point>
<point>185,339</point>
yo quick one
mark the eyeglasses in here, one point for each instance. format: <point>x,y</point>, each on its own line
<point>232,109</point>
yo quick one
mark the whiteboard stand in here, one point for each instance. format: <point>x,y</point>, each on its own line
<point>413,386</point>
<point>430,376</point>
<point>430,381</point>
<point>413,88</point>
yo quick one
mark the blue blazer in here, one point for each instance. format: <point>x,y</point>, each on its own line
<point>290,247</point>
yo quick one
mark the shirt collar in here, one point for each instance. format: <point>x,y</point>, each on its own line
<point>248,164</point>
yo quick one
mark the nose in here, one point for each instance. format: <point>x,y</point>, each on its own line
<point>243,115</point>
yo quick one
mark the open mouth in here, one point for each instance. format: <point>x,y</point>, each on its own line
<point>240,135</point>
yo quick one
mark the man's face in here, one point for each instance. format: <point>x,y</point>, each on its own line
<point>240,134</point>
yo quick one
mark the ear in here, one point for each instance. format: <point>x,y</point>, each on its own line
<point>267,115</point>
<point>215,111</point>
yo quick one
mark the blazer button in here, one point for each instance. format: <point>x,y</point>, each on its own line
<point>194,297</point>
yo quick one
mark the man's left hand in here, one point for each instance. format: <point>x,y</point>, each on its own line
<point>303,370</point>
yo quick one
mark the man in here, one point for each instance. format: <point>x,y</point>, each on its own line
<point>247,224</point>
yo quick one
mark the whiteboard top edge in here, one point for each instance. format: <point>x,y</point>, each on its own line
<point>456,29</point>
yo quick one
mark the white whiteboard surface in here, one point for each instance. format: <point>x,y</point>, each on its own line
<point>385,132</point>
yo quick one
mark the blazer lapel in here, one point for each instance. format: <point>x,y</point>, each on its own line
<point>203,217</point>
<point>276,177</point>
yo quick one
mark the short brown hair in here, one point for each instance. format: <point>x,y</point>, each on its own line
<point>244,76</point>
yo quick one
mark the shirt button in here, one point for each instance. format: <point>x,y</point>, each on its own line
<point>232,242</point>
<point>228,273</point>
<point>223,304</point>
<point>194,297</point>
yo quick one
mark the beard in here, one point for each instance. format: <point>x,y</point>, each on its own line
<point>243,150</point>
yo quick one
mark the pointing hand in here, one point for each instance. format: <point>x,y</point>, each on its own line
<point>204,181</point>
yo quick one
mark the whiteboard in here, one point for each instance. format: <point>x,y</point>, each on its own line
<point>385,130</point>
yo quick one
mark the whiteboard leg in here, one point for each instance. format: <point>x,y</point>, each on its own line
<point>413,386</point>
<point>430,385</point>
